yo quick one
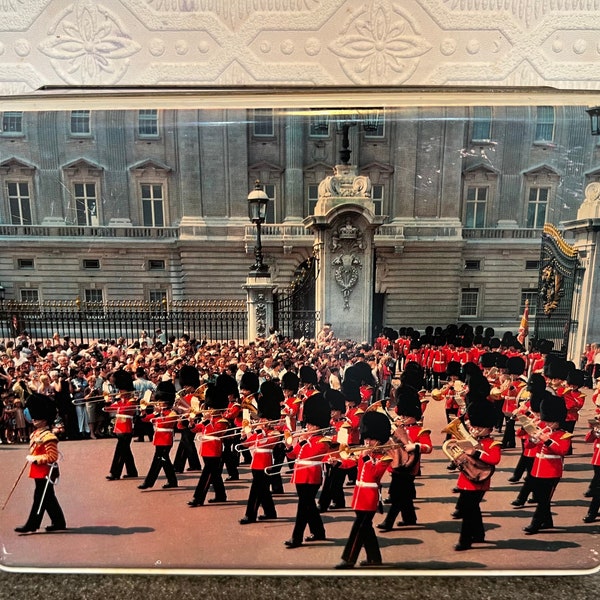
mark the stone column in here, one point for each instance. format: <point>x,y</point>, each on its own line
<point>294,174</point>
<point>586,231</point>
<point>259,291</point>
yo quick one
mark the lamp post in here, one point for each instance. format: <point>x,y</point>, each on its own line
<point>257,213</point>
<point>594,113</point>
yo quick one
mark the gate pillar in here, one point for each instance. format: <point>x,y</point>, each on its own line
<point>344,225</point>
<point>259,299</point>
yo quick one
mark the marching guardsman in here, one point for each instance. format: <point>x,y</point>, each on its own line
<point>290,384</point>
<point>209,432</point>
<point>43,459</point>
<point>373,462</point>
<point>353,416</point>
<point>510,391</point>
<point>528,412</point>
<point>475,463</point>
<point>164,421</point>
<point>438,362</point>
<point>189,380</point>
<point>309,453</point>
<point>450,392</point>
<point>308,386</point>
<point>249,386</point>
<point>415,441</point>
<point>593,437</point>
<point>552,444</point>
<point>332,494</point>
<point>124,408</point>
<point>261,441</point>
<point>233,414</point>
<point>574,399</point>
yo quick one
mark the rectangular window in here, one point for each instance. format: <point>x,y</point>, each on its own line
<point>482,123</point>
<point>93,295</point>
<point>312,197</point>
<point>532,265</point>
<point>152,205</point>
<point>319,126</point>
<point>157,295</point>
<point>532,296</point>
<point>377,197</point>
<point>19,202</point>
<point>80,122</point>
<point>374,124</point>
<point>25,263</point>
<point>475,207</point>
<point>29,295</point>
<point>544,128</point>
<point>537,207</point>
<point>270,191</point>
<point>148,123</point>
<point>86,204</point>
<point>472,265</point>
<point>91,263</point>
<point>156,265</point>
<point>12,122</point>
<point>263,122</point>
<point>469,300</point>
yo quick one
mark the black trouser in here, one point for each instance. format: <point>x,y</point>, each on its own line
<point>275,480</point>
<point>595,491</point>
<point>260,495</point>
<point>44,500</point>
<point>123,457</point>
<point>231,457</point>
<point>472,523</point>
<point>161,460</point>
<point>333,487</point>
<point>362,534</point>
<point>212,474</point>
<point>524,466</point>
<point>509,439</point>
<point>186,452</point>
<point>307,512</point>
<point>543,490</point>
<point>402,493</point>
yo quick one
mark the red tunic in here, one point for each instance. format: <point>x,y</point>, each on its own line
<point>510,394</point>
<point>125,410</point>
<point>261,444</point>
<point>43,444</point>
<point>164,426</point>
<point>549,457</point>
<point>353,417</point>
<point>489,453</point>
<point>366,494</point>
<point>592,437</point>
<point>209,436</point>
<point>574,401</point>
<point>309,457</point>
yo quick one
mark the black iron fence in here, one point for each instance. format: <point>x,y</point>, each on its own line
<point>210,320</point>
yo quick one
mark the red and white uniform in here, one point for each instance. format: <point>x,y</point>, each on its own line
<point>421,436</point>
<point>549,456</point>
<point>233,413</point>
<point>490,453</point>
<point>43,444</point>
<point>309,456</point>
<point>371,469</point>
<point>353,417</point>
<point>124,410</point>
<point>261,445</point>
<point>510,393</point>
<point>164,426</point>
<point>209,435</point>
<point>290,410</point>
<point>574,401</point>
<point>439,362</point>
<point>592,437</point>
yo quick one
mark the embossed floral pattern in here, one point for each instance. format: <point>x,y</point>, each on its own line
<point>380,44</point>
<point>88,46</point>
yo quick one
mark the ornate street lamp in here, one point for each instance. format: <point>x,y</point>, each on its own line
<point>595,119</point>
<point>257,213</point>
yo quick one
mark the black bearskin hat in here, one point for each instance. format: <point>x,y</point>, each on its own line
<point>270,400</point>
<point>375,426</point>
<point>576,377</point>
<point>189,376</point>
<point>482,413</point>
<point>553,409</point>
<point>413,375</point>
<point>316,411</point>
<point>250,382</point>
<point>501,360</point>
<point>165,392</point>
<point>408,403</point>
<point>453,368</point>
<point>351,391</point>
<point>228,384</point>
<point>215,397</point>
<point>123,381</point>
<point>336,400</point>
<point>361,373</point>
<point>537,386</point>
<point>555,368</point>
<point>290,381</point>
<point>41,408</point>
<point>487,360</point>
<point>515,365</point>
<point>308,375</point>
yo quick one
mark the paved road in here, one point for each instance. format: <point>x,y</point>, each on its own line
<point>115,526</point>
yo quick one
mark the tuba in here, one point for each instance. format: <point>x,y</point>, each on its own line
<point>472,468</point>
<point>458,431</point>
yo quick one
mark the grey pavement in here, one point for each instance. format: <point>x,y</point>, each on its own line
<point>114,527</point>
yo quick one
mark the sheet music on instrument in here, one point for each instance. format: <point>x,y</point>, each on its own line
<point>114,527</point>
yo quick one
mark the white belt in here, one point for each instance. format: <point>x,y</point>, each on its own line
<point>309,463</point>
<point>548,455</point>
<point>370,484</point>
<point>124,416</point>
<point>163,429</point>
<point>262,450</point>
<point>210,437</point>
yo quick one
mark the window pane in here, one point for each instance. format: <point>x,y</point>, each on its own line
<point>80,121</point>
<point>263,121</point>
<point>148,122</point>
<point>468,303</point>
<point>313,197</point>
<point>319,126</point>
<point>12,122</point>
<point>19,202</point>
<point>85,204</point>
<point>157,295</point>
<point>29,295</point>
<point>93,295</point>
<point>544,130</point>
<point>482,123</point>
